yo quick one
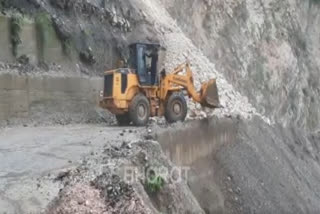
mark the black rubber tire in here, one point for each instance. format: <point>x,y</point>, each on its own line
<point>138,116</point>
<point>123,119</point>
<point>173,115</point>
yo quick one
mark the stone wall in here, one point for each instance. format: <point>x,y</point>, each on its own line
<point>47,97</point>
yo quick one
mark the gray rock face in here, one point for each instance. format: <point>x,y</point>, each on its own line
<point>96,32</point>
<point>268,50</point>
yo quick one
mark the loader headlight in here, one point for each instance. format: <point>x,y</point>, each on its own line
<point>101,93</point>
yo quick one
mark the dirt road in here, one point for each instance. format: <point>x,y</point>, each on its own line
<point>31,158</point>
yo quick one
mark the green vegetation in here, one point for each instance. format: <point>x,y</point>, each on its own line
<point>3,4</point>
<point>155,183</point>
<point>86,32</point>
<point>15,30</point>
<point>64,38</point>
<point>43,27</point>
<point>43,20</point>
<point>66,46</point>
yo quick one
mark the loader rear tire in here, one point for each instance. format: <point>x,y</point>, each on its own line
<point>176,108</point>
<point>139,110</point>
<point>123,119</point>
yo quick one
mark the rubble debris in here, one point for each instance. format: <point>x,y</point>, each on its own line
<point>62,175</point>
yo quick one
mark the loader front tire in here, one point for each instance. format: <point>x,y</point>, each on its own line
<point>176,108</point>
<point>139,110</point>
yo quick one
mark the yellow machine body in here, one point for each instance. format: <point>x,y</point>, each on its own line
<point>140,91</point>
<point>118,101</point>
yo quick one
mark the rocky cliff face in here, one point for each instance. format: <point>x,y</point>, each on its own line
<point>269,50</point>
<point>93,34</point>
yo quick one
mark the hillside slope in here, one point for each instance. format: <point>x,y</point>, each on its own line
<point>269,51</point>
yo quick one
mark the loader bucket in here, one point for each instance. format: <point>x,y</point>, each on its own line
<point>209,94</point>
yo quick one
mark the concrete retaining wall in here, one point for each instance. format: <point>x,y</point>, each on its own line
<point>23,96</point>
<point>198,140</point>
<point>196,146</point>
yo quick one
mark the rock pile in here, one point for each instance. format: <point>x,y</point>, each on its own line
<point>179,48</point>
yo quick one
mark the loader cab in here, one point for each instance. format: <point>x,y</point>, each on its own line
<point>144,58</point>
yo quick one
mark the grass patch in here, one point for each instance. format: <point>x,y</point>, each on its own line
<point>3,4</point>
<point>154,183</point>
<point>16,22</point>
<point>43,20</point>
<point>65,39</point>
<point>66,46</point>
<point>43,25</point>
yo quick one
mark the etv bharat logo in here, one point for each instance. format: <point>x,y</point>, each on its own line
<point>175,174</point>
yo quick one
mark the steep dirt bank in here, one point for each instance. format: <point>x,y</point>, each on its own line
<point>242,166</point>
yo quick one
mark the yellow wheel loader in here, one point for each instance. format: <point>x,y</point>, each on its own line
<point>140,91</point>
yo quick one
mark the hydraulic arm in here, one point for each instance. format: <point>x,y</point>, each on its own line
<point>208,94</point>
